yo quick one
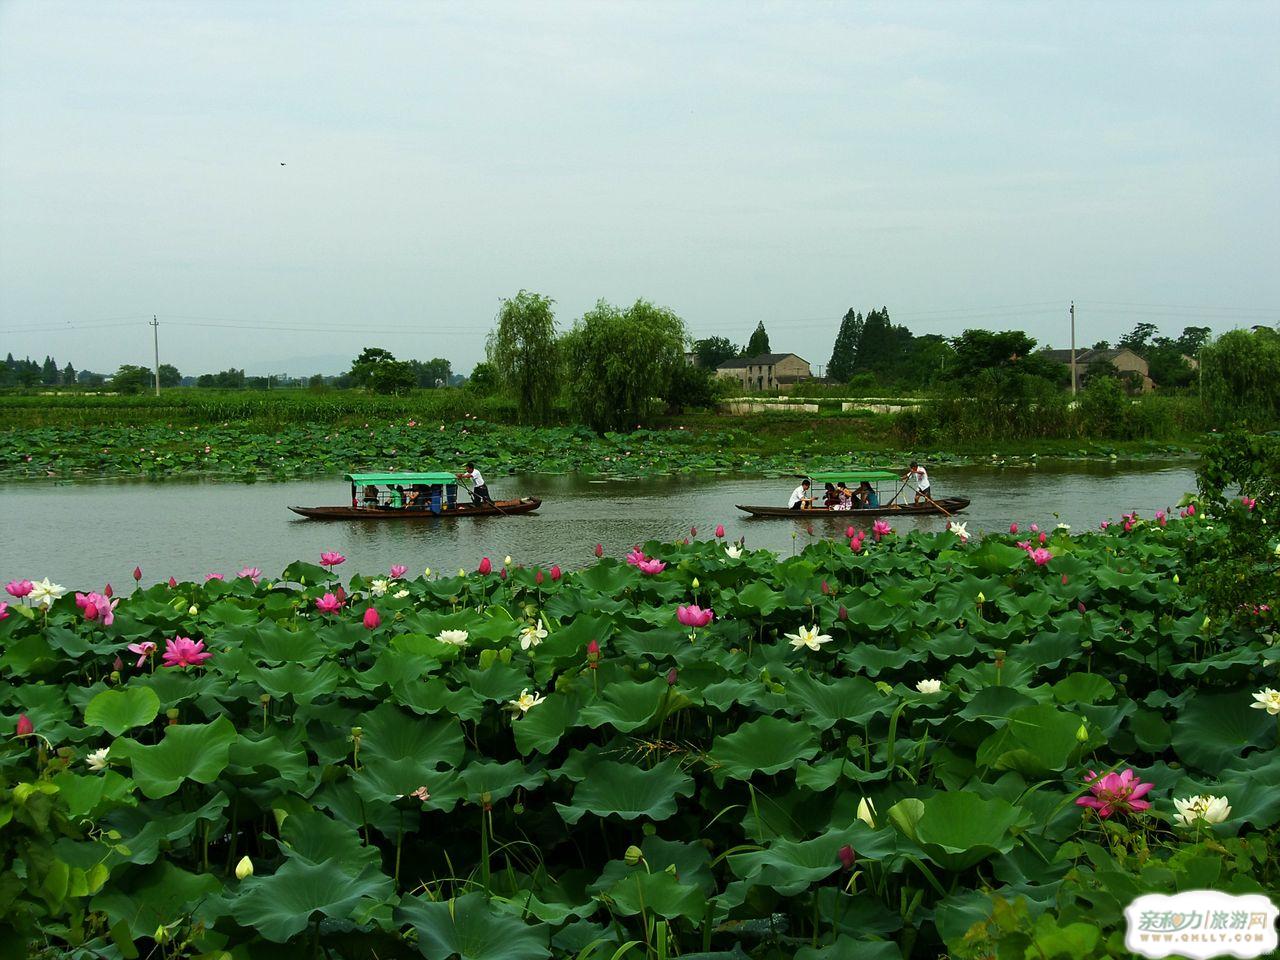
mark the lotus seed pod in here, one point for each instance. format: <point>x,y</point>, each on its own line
<point>244,869</point>
<point>517,808</point>
<point>650,830</point>
<point>633,855</point>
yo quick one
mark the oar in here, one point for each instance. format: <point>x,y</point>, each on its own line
<point>895,496</point>
<point>938,505</point>
<point>493,503</point>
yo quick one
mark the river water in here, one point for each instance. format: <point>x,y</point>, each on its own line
<point>85,534</point>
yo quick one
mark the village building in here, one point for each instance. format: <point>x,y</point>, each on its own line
<point>767,371</point>
<point>1127,363</point>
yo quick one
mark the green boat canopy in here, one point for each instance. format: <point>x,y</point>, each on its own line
<point>852,476</point>
<point>365,479</point>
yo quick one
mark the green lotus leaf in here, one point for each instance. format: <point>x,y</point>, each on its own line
<point>846,947</point>
<point>629,891</point>
<point>766,745</point>
<point>625,706</point>
<point>540,730</point>
<point>303,683</point>
<point>269,759</point>
<point>1035,740</point>
<point>273,642</point>
<point>314,838</point>
<point>145,831</point>
<point>1083,688</point>
<point>790,866</point>
<point>1215,728</point>
<point>469,928</point>
<point>958,829</point>
<point>823,705</point>
<point>757,598</point>
<point>628,791</point>
<point>388,733</point>
<point>91,796</point>
<point>116,711</point>
<point>188,752</point>
<point>159,895</point>
<point>993,557</point>
<point>499,780</point>
<point>281,906</point>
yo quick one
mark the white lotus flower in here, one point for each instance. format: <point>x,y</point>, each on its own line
<point>400,594</point>
<point>456,637</point>
<point>97,761</point>
<point>1063,526</point>
<point>526,701</point>
<point>192,610</point>
<point>1268,700</point>
<point>1210,809</point>
<point>379,587</point>
<point>808,637</point>
<point>867,812</point>
<point>532,635</point>
<point>733,551</point>
<point>961,530</point>
<point>506,561</point>
<point>244,869</point>
<point>43,593</point>
<point>929,686</point>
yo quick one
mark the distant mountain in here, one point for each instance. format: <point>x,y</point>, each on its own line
<point>329,364</point>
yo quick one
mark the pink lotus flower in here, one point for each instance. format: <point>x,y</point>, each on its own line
<point>694,616</point>
<point>593,654</point>
<point>1035,528</point>
<point>599,550</point>
<point>1041,556</point>
<point>4,611</point>
<point>25,727</point>
<point>19,588</point>
<point>635,557</point>
<point>137,574</point>
<point>1024,545</point>
<point>1116,793</point>
<point>185,652</point>
<point>331,559</point>
<point>651,566</point>
<point>212,576</point>
<point>328,603</point>
<point>555,573</point>
<point>172,583</point>
<point>720,530</point>
<point>486,566</point>
<point>1248,502</point>
<point>251,573</point>
<point>398,570</point>
<point>1104,524</point>
<point>1043,537</point>
<point>97,605</point>
<point>881,528</point>
<point>371,619</point>
<point>1013,529</point>
<point>144,649</point>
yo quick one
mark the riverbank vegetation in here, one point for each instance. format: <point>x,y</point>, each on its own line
<point>895,747</point>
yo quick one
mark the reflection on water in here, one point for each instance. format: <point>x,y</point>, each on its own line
<point>83,534</point>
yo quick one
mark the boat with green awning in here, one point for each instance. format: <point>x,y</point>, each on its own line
<point>413,496</point>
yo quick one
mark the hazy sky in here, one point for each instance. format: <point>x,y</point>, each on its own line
<point>964,164</point>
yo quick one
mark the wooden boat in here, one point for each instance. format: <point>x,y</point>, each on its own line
<point>430,496</point>
<point>878,480</point>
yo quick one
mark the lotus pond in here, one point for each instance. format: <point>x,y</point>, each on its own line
<point>865,751</point>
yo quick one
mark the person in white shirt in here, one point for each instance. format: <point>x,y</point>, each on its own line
<point>479,489</point>
<point>918,477</point>
<point>800,498</point>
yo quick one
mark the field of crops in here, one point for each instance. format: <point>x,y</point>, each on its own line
<point>871,750</point>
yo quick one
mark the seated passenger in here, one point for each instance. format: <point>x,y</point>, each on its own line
<point>845,496</point>
<point>396,500</point>
<point>830,497</point>
<point>868,495</point>
<point>371,496</point>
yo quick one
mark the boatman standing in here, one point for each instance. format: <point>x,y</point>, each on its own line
<point>479,489</point>
<point>800,497</point>
<point>918,477</point>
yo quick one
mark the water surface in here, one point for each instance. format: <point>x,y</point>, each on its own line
<point>82,534</point>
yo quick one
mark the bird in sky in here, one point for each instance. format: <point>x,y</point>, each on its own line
<point>282,163</point>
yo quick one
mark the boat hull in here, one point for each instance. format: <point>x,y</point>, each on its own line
<point>945,505</point>
<point>502,508</point>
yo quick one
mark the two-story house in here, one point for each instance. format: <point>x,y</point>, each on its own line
<point>767,371</point>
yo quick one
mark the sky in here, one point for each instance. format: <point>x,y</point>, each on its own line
<point>283,184</point>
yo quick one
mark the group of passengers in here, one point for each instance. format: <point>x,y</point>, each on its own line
<point>424,496</point>
<point>836,496</point>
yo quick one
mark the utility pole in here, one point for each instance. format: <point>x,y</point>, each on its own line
<point>1073,348</point>
<point>155,331</point>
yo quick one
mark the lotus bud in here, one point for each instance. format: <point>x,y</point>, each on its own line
<point>372,620</point>
<point>172,583</point>
<point>1175,579</point>
<point>719,530</point>
<point>357,733</point>
<point>137,574</point>
<point>426,572</point>
<point>842,613</point>
<point>264,698</point>
<point>671,869</point>
<point>826,590</point>
<point>695,583</point>
<point>1064,579</point>
<point>1080,607</point>
<point>599,550</point>
<point>506,561</point>
<point>244,869</point>
<point>1082,734</point>
<point>555,573</point>
<point>982,598</point>
<point>847,857</point>
<point>192,610</point>
<point>1013,528</point>
<point>161,935</point>
<point>502,574</point>
<point>172,716</point>
<point>672,675</point>
<point>117,665</point>
<point>517,808</point>
<point>1205,624</point>
<point>633,856</point>
<point>25,727</point>
<point>867,812</point>
<point>486,800</point>
<point>107,591</point>
<point>693,531</point>
<point>486,566</point>
<point>537,578</point>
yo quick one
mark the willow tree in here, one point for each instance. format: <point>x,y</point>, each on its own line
<point>522,350</point>
<point>1240,379</point>
<point>619,360</point>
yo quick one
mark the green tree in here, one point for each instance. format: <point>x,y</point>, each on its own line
<point>1192,340</point>
<point>1138,339</point>
<point>231,379</point>
<point>68,375</point>
<point>713,351</point>
<point>883,349</point>
<point>844,352</point>
<point>522,349</point>
<point>759,342</point>
<point>433,373</point>
<point>483,380</point>
<point>1240,379</point>
<point>363,366</point>
<point>49,372</point>
<point>393,377</point>
<point>691,388</point>
<point>132,379</point>
<point>91,379</point>
<point>169,375</point>
<point>620,360</point>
